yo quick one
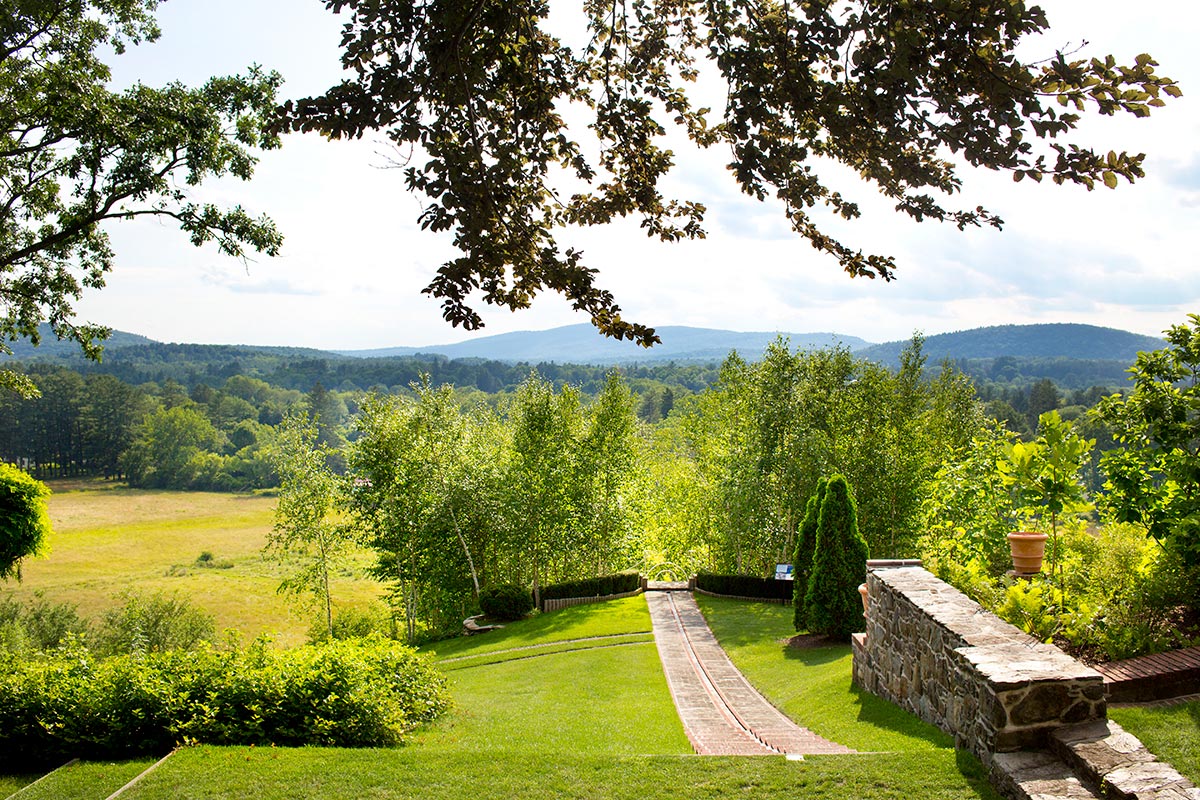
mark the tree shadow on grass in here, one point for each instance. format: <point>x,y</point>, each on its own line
<point>874,710</point>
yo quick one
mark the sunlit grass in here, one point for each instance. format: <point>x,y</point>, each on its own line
<point>621,616</point>
<point>813,685</point>
<point>108,541</point>
<point>85,780</point>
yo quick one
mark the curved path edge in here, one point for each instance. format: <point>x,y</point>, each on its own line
<point>720,711</point>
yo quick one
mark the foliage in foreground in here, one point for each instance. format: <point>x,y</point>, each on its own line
<point>360,693</point>
<point>24,521</point>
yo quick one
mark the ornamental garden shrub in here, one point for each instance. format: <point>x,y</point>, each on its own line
<point>506,601</point>
<point>600,586</point>
<point>744,586</point>
<point>806,544</point>
<point>362,693</point>
<point>834,607</point>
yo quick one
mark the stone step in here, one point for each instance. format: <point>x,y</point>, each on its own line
<point>1037,775</point>
<point>1116,764</point>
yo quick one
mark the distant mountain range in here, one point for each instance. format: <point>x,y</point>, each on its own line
<point>1052,340</point>
<point>581,344</point>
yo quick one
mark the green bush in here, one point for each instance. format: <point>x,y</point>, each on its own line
<point>744,586</point>
<point>40,625</point>
<point>153,623</point>
<point>833,604</point>
<point>601,586</point>
<point>24,520</point>
<point>355,623</point>
<point>362,693</point>
<point>806,545</point>
<point>506,601</point>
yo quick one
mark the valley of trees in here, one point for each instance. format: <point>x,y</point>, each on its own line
<point>565,472</point>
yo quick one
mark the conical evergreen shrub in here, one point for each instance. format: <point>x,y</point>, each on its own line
<point>806,543</point>
<point>834,607</point>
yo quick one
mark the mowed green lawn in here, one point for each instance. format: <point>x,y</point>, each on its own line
<point>110,540</point>
<point>573,704</point>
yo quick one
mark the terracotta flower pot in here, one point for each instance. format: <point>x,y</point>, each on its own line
<point>862,590</point>
<point>1028,548</point>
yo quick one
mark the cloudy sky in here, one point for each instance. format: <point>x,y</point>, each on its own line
<point>354,260</point>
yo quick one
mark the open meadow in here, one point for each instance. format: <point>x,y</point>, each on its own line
<point>109,540</point>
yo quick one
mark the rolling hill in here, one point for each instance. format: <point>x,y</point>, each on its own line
<point>581,344</point>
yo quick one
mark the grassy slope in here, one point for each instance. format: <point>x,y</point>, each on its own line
<point>84,780</point>
<point>813,685</point>
<point>107,540</point>
<point>595,723</point>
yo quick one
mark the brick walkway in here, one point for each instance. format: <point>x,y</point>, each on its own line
<point>1150,678</point>
<point>721,712</point>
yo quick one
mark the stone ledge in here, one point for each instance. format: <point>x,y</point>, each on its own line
<point>1036,775</point>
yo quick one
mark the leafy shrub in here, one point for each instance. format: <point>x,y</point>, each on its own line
<point>506,601</point>
<point>601,586</point>
<point>40,625</point>
<point>744,586</point>
<point>153,623</point>
<point>355,623</point>
<point>206,560</point>
<point>364,693</point>
<point>24,520</point>
<point>833,605</point>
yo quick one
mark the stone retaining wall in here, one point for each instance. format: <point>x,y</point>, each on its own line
<point>932,650</point>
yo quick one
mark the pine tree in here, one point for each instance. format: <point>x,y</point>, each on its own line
<point>833,606</point>
<point>806,544</point>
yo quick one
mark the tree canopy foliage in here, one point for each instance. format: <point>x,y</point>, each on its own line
<point>24,520</point>
<point>75,154</point>
<point>1154,474</point>
<point>483,100</point>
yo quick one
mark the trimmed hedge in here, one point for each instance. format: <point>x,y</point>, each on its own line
<point>615,583</point>
<point>364,693</point>
<point>507,602</point>
<point>745,586</point>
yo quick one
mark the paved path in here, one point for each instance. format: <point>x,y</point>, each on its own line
<point>721,712</point>
<point>1155,677</point>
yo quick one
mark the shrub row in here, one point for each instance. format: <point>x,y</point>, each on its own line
<point>508,601</point>
<point>362,693</point>
<point>745,586</point>
<point>616,583</point>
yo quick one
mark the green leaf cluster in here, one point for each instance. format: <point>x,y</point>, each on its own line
<point>360,693</point>
<point>901,93</point>
<point>74,155</point>
<point>1154,475</point>
<point>24,519</point>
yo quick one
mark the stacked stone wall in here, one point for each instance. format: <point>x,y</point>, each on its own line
<point>932,650</point>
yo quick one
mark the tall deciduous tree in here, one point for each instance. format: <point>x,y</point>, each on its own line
<point>74,154</point>
<point>475,95</point>
<point>306,532</point>
<point>1154,476</point>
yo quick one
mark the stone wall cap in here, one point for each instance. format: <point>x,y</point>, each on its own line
<point>1012,663</point>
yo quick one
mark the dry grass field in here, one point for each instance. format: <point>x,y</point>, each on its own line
<point>108,540</point>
